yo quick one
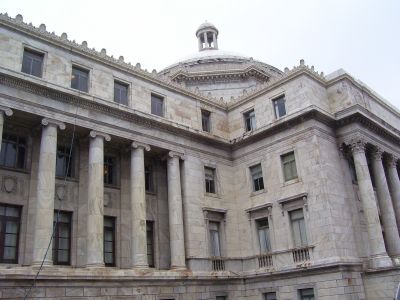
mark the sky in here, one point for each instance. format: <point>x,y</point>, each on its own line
<point>360,36</point>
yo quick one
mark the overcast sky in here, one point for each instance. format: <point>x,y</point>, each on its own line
<point>360,36</point>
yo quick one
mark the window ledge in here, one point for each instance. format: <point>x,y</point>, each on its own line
<point>291,181</point>
<point>17,170</point>
<point>212,195</point>
<point>259,192</point>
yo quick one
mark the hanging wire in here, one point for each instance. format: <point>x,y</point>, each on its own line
<point>58,211</point>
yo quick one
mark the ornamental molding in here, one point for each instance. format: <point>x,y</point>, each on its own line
<point>136,145</point>
<point>95,134</point>
<point>172,154</point>
<point>53,122</point>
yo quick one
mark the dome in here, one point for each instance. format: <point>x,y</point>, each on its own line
<point>206,25</point>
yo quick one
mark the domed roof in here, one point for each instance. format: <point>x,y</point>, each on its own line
<point>206,25</point>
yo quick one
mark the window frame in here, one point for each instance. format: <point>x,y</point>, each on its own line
<point>210,186</point>
<point>81,69</point>
<point>4,219</point>
<point>276,107</point>
<point>302,243</point>
<point>302,297</point>
<point>111,229</point>
<point>124,85</point>
<point>37,53</point>
<point>114,170</point>
<point>273,293</point>
<point>55,241</point>
<point>151,224</point>
<point>18,145</point>
<point>249,117</point>
<point>213,250</point>
<point>268,227</point>
<point>283,164</point>
<point>253,179</point>
<point>149,184</point>
<point>162,100</point>
<point>206,115</point>
<point>70,173</point>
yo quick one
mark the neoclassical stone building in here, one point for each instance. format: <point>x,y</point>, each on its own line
<point>220,177</point>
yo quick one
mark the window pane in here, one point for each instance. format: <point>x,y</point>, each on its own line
<point>120,93</point>
<point>205,120</point>
<point>280,107</point>
<point>11,155</point>
<point>32,63</point>
<point>63,243</point>
<point>108,247</point>
<point>10,253</point>
<point>157,105</point>
<point>12,211</point>
<point>108,258</point>
<point>11,227</point>
<point>214,239</point>
<point>270,296</point>
<point>79,79</point>
<point>10,240</point>
<point>63,256</point>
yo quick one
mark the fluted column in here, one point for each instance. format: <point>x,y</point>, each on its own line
<point>176,234</point>
<point>138,206</point>
<point>394,183</point>
<point>43,225</point>
<point>378,256</point>
<point>386,207</point>
<point>3,111</point>
<point>95,216</point>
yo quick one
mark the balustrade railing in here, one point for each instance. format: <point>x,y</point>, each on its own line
<point>218,264</point>
<point>301,254</point>
<point>265,261</point>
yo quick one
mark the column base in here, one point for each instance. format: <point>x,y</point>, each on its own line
<point>380,261</point>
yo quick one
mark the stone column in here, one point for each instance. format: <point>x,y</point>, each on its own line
<point>3,111</point>
<point>176,234</point>
<point>385,204</point>
<point>44,210</point>
<point>215,40</point>
<point>205,40</point>
<point>138,206</point>
<point>394,183</point>
<point>378,256</point>
<point>95,216</point>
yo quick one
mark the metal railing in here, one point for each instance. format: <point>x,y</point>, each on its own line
<point>218,264</point>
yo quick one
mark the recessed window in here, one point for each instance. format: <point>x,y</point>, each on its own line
<point>150,243</point>
<point>289,166</point>
<point>215,245</point>
<point>298,228</point>
<point>306,294</point>
<point>209,174</point>
<point>257,177</point>
<point>110,170</point>
<point>32,63</point>
<point>249,120</point>
<point>13,151</point>
<point>109,241</point>
<point>148,178</point>
<point>62,238</point>
<point>157,105</point>
<point>80,79</point>
<point>205,120</point>
<point>263,235</point>
<point>269,296</point>
<point>64,161</point>
<point>10,219</point>
<point>121,93</point>
<point>279,107</point>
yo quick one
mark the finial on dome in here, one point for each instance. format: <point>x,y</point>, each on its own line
<point>207,36</point>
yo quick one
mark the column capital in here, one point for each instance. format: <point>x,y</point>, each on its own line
<point>94,134</point>
<point>136,145</point>
<point>172,154</point>
<point>392,161</point>
<point>377,153</point>
<point>5,110</point>
<point>48,121</point>
<point>357,146</point>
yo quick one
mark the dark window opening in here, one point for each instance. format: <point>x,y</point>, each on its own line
<point>10,219</point>
<point>157,105</point>
<point>209,180</point>
<point>32,62</point>
<point>148,178</point>
<point>150,243</point>
<point>205,120</point>
<point>64,161</point>
<point>62,238</point>
<point>109,241</point>
<point>279,107</point>
<point>257,177</point>
<point>109,170</point>
<point>13,151</point>
<point>121,93</point>
<point>80,79</point>
<point>250,120</point>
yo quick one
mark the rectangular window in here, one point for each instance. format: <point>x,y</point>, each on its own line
<point>209,180</point>
<point>263,235</point>
<point>157,105</point>
<point>270,296</point>
<point>13,151</point>
<point>289,166</point>
<point>150,243</point>
<point>205,120</point>
<point>250,120</point>
<point>306,294</point>
<point>10,219</point>
<point>109,170</point>
<point>64,161</point>
<point>80,79</point>
<point>215,239</point>
<point>279,107</point>
<point>121,93</point>
<point>148,178</point>
<point>109,241</point>
<point>257,177</point>
<point>62,238</point>
<point>32,62</point>
<point>298,228</point>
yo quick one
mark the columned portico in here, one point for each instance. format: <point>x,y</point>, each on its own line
<point>95,216</point>
<point>43,225</point>
<point>138,205</point>
<point>394,184</point>
<point>378,256</point>
<point>385,204</point>
<point>176,233</point>
<point>3,111</point>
